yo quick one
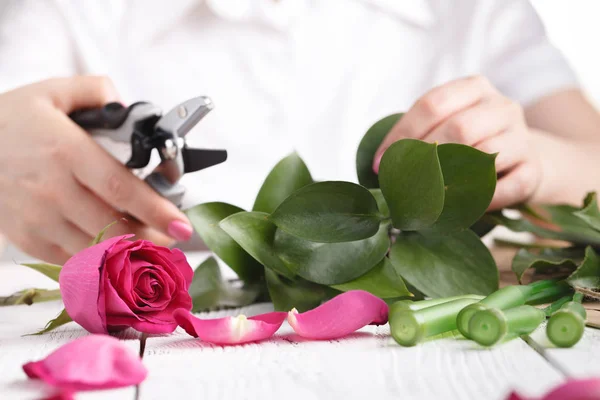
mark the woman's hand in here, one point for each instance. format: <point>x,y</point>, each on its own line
<point>58,187</point>
<point>471,111</point>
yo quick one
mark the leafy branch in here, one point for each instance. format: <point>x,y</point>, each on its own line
<point>404,232</point>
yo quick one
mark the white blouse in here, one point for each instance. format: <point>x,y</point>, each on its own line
<point>285,75</point>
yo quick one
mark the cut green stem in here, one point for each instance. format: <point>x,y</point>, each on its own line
<point>409,327</point>
<point>566,326</point>
<point>490,326</point>
<point>421,304</point>
<point>554,307</point>
<point>550,294</point>
<point>505,298</point>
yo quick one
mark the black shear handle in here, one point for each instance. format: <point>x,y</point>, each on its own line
<point>111,116</point>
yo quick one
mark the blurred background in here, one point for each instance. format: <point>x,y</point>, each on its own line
<point>571,25</point>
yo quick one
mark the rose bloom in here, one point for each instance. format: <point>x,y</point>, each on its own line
<point>118,284</point>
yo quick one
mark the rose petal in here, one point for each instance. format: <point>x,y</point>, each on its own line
<point>573,389</point>
<point>79,282</point>
<point>340,316</point>
<point>89,363</point>
<point>230,330</point>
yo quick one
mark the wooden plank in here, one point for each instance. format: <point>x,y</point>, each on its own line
<point>16,349</point>
<point>368,364</point>
<point>579,361</point>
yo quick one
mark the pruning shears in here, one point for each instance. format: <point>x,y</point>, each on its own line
<point>134,132</point>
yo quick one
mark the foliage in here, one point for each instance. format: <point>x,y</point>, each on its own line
<point>305,241</point>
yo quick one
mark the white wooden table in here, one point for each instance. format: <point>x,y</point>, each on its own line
<point>366,365</point>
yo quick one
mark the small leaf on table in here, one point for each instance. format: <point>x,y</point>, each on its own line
<point>587,275</point>
<point>545,258</point>
<point>289,175</point>
<point>382,281</point>
<point>444,266</point>
<point>367,148</point>
<point>332,263</point>
<point>299,293</point>
<point>205,218</point>
<point>30,296</point>
<point>209,291</point>
<point>329,212</point>
<point>412,183</point>
<point>590,213</point>
<point>61,319</point>
<point>50,270</point>
<point>255,233</point>
<point>469,181</point>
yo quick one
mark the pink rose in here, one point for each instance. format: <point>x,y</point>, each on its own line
<point>118,284</point>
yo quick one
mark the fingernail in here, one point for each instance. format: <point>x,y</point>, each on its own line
<point>180,230</point>
<point>376,163</point>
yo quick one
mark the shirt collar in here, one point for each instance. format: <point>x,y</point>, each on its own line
<point>151,17</point>
<point>419,13</point>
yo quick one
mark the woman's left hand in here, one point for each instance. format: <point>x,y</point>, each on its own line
<point>472,111</point>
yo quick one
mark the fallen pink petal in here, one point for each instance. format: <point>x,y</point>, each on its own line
<point>574,389</point>
<point>90,363</point>
<point>340,316</point>
<point>230,330</point>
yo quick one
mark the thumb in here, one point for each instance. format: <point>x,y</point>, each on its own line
<point>70,94</point>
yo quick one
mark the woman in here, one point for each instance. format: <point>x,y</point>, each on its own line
<point>285,75</point>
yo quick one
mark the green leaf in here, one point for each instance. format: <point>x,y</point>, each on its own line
<point>367,148</point>
<point>590,213</point>
<point>469,182</point>
<point>568,226</point>
<point>572,234</point>
<point>332,263</point>
<point>61,319</point>
<point>255,233</point>
<point>443,266</point>
<point>289,175</point>
<point>209,291</point>
<point>299,293</point>
<point>329,212</point>
<point>50,270</point>
<point>30,296</point>
<point>411,180</point>
<point>544,258</point>
<point>587,275</point>
<point>382,206</point>
<point>482,227</point>
<point>382,281</point>
<point>205,218</point>
<point>101,234</point>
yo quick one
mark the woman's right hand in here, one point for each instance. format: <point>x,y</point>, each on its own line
<point>58,187</point>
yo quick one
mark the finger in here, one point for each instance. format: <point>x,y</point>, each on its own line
<point>435,106</point>
<point>118,187</point>
<point>70,94</point>
<point>516,187</point>
<point>509,146</point>
<point>477,123</point>
<point>91,215</point>
<point>69,237</point>
<point>41,249</point>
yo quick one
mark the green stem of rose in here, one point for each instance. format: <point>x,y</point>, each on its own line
<point>566,326</point>
<point>502,299</point>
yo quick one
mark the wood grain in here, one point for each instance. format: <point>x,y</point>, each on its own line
<point>367,364</point>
